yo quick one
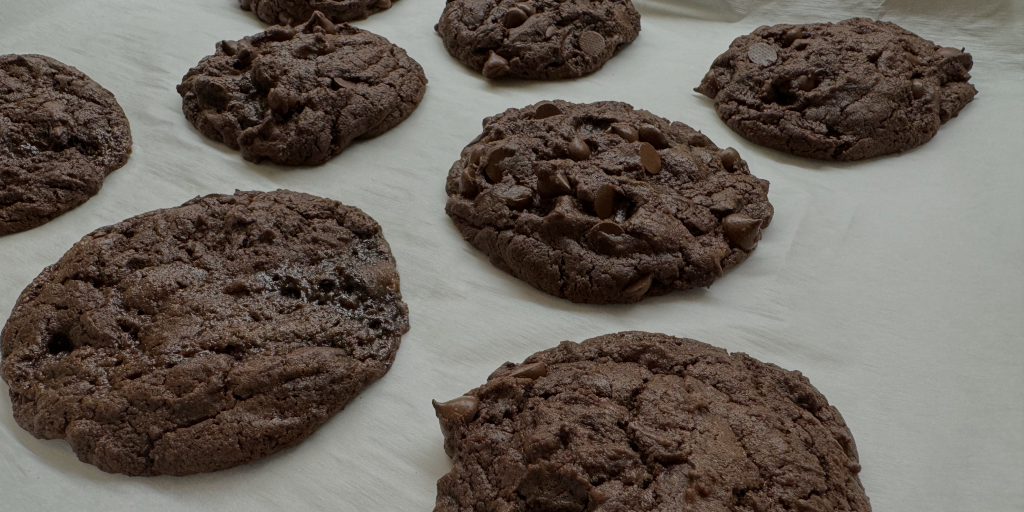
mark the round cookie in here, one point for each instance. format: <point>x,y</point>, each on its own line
<point>61,134</point>
<point>646,422</point>
<point>288,11</point>
<point>205,336</point>
<point>601,203</point>
<point>845,91</point>
<point>537,39</point>
<point>298,96</point>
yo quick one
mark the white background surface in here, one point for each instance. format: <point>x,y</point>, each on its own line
<point>896,285</point>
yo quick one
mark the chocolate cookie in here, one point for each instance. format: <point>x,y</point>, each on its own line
<point>298,96</point>
<point>537,39</point>
<point>845,91</point>
<point>601,203</point>
<point>204,336</point>
<point>287,11</point>
<point>646,422</point>
<point>60,135</point>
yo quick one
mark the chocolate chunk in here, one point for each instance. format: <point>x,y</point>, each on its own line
<point>579,150</point>
<point>592,43</point>
<point>495,67</point>
<point>650,158</point>
<point>742,230</point>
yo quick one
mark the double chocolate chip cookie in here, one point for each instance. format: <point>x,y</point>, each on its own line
<point>288,11</point>
<point>204,336</point>
<point>537,39</point>
<point>299,95</point>
<point>601,203</point>
<point>646,422</point>
<point>845,91</point>
<point>61,134</point>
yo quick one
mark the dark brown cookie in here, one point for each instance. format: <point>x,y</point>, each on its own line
<point>635,422</point>
<point>537,39</point>
<point>204,336</point>
<point>845,91</point>
<point>60,135</point>
<point>286,12</point>
<point>602,203</point>
<point>298,96</point>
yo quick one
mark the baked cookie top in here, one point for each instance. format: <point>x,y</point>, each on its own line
<point>60,134</point>
<point>204,336</point>
<point>537,39</point>
<point>646,422</point>
<point>845,91</point>
<point>299,95</point>
<point>601,203</point>
<point>289,12</point>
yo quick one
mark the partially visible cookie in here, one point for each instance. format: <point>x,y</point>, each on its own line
<point>845,91</point>
<point>601,203</point>
<point>289,12</point>
<point>537,39</point>
<point>643,422</point>
<point>298,96</point>
<point>204,336</point>
<point>61,134</point>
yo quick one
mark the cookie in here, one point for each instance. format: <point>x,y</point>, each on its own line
<point>205,336</point>
<point>537,39</point>
<point>288,11</point>
<point>846,91</point>
<point>61,134</point>
<point>601,203</point>
<point>298,96</point>
<point>646,422</point>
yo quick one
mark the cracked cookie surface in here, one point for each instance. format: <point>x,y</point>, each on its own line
<point>205,336</point>
<point>61,134</point>
<point>602,203</point>
<point>300,95</point>
<point>637,421</point>
<point>846,91</point>
<point>288,11</point>
<point>537,39</point>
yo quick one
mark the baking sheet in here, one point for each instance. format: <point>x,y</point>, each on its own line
<point>896,285</point>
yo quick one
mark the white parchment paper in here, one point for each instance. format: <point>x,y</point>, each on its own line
<point>896,285</point>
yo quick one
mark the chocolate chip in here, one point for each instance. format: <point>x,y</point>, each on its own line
<point>550,31</point>
<point>627,132</point>
<point>515,17</point>
<point>530,371</point>
<point>467,185</point>
<point>741,230</point>
<point>527,8</point>
<point>230,48</point>
<point>653,136</point>
<point>913,60</point>
<point>474,157</point>
<point>792,35</point>
<point>949,52</point>
<point>319,20</point>
<point>493,172</point>
<point>638,288</point>
<point>650,158</point>
<point>592,43</point>
<point>917,86</point>
<point>546,110</point>
<point>604,202</point>
<point>730,159</point>
<point>609,228</point>
<point>280,33</point>
<point>463,408</point>
<point>495,67</point>
<point>383,4</point>
<point>579,150</point>
<point>553,185</point>
<point>517,197</point>
<point>801,44</point>
<point>762,54</point>
<point>806,83</point>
